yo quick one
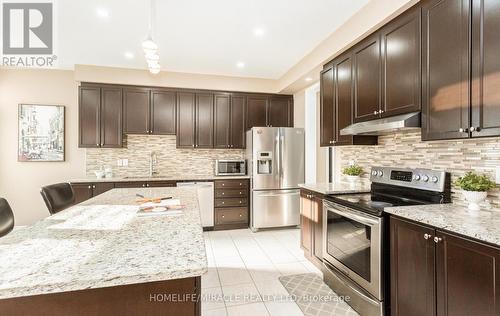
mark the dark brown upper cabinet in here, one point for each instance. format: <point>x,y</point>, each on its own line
<point>100,116</point>
<point>136,106</point>
<point>195,120</point>
<point>485,68</point>
<point>111,117</point>
<point>163,112</point>
<point>337,104</point>
<point>238,109</point>
<point>367,88</point>
<point>445,71</point>
<point>401,65</point>
<point>204,124</point>
<point>327,107</point>
<point>280,112</point>
<point>256,111</point>
<point>437,273</point>
<point>186,120</point>
<point>222,120</point>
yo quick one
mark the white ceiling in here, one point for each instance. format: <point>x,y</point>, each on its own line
<point>199,36</point>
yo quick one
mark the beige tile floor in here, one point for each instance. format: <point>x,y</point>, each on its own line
<point>244,267</point>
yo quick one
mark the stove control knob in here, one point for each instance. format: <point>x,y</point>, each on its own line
<point>434,179</point>
<point>425,178</point>
<point>380,173</point>
<point>374,172</point>
<point>416,177</point>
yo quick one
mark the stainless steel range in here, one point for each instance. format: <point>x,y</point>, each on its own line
<point>356,237</point>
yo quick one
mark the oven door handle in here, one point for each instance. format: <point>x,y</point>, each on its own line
<point>354,216</point>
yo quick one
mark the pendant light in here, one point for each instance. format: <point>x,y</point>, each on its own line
<point>150,47</point>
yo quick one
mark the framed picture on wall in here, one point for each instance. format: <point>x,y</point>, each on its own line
<point>40,132</point>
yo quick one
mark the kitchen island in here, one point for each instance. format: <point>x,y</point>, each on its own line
<point>100,258</point>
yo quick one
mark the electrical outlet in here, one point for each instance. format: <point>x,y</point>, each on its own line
<point>498,175</point>
<point>351,163</point>
<point>124,162</point>
<point>119,163</point>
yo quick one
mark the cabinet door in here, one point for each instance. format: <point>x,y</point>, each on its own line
<point>82,191</point>
<point>485,68</point>
<point>412,269</point>
<point>468,277</point>
<point>163,112</point>
<point>343,98</point>
<point>401,69</point>
<point>367,79</point>
<point>445,71</point>
<point>185,120</point>
<point>256,111</point>
<point>238,106</point>
<point>89,117</point>
<point>111,117</point>
<point>136,111</point>
<point>327,107</point>
<point>278,112</point>
<point>317,210</point>
<point>222,120</point>
<point>305,222</point>
<point>101,187</point>
<point>204,121</point>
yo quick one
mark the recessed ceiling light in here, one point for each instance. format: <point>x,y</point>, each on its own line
<point>309,79</point>
<point>128,55</point>
<point>259,32</point>
<point>102,13</point>
<point>240,64</point>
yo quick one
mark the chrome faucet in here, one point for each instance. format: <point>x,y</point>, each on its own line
<point>152,163</point>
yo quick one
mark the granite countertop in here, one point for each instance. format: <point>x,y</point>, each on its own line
<point>102,242</point>
<point>341,187</point>
<point>155,178</point>
<point>483,226</point>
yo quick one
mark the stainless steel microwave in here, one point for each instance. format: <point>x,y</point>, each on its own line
<point>230,167</point>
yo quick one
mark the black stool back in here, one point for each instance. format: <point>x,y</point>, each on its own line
<point>58,197</point>
<point>6,218</point>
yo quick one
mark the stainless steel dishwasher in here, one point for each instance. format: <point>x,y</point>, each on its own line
<point>205,192</point>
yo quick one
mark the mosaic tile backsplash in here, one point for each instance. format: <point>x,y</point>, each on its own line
<point>406,150</point>
<point>171,162</point>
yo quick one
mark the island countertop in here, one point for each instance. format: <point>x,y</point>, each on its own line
<point>102,242</point>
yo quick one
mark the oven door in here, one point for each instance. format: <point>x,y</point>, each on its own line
<point>353,244</point>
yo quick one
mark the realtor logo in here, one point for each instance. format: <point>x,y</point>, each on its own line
<point>28,33</point>
<point>27,28</point>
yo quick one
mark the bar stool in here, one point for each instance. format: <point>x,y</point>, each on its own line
<point>58,197</point>
<point>6,218</point>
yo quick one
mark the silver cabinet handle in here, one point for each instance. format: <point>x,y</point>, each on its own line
<point>241,184</point>
<point>437,239</point>
<point>93,187</point>
<point>143,185</point>
<point>381,111</point>
<point>222,216</point>
<point>240,202</point>
<point>192,145</point>
<point>472,128</point>
<point>375,112</point>
<point>463,130</point>
<point>427,236</point>
<point>223,184</point>
<point>241,193</point>
<point>241,215</point>
<point>90,187</point>
<point>223,193</point>
<point>223,203</point>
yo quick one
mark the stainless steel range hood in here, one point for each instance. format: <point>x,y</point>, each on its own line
<point>384,126</point>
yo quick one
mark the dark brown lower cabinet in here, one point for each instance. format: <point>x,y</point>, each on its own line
<point>231,204</point>
<point>437,273</point>
<point>82,191</point>
<point>311,225</point>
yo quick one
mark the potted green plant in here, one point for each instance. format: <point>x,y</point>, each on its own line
<point>353,173</point>
<point>474,188</point>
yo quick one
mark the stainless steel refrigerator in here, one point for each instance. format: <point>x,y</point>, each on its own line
<point>276,166</point>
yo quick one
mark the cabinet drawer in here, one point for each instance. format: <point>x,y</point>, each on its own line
<point>231,184</point>
<point>235,215</point>
<point>231,202</point>
<point>230,193</point>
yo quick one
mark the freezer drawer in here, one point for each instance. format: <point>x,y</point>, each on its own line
<point>275,208</point>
